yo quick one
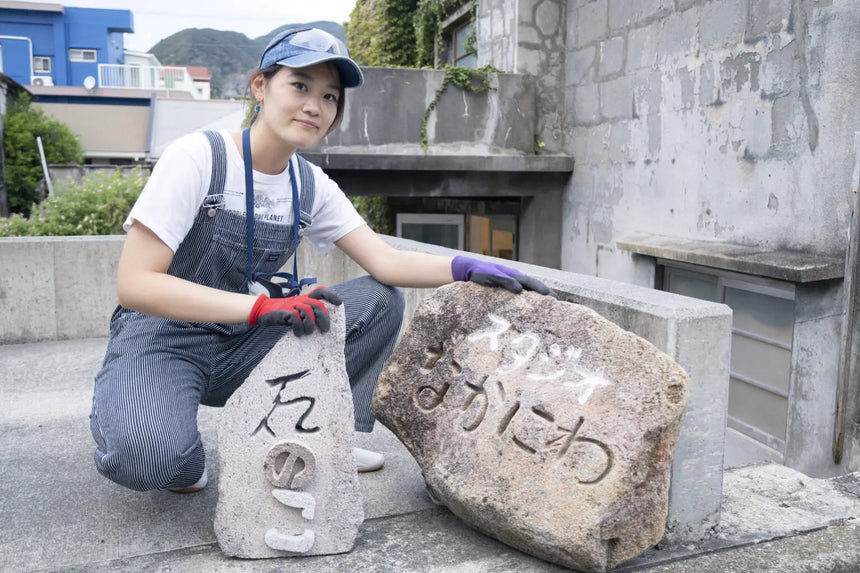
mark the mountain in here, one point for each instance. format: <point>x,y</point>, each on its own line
<point>230,56</point>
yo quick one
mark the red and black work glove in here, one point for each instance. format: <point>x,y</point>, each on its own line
<point>299,312</point>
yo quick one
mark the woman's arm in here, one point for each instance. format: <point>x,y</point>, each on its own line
<point>391,266</point>
<point>144,285</point>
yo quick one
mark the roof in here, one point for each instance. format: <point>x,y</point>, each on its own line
<point>12,84</point>
<point>199,72</point>
<point>38,6</point>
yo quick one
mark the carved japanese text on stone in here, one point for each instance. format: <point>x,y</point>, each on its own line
<point>287,483</point>
<point>537,422</point>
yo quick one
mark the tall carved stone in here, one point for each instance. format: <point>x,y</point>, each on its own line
<point>537,422</point>
<point>288,484</point>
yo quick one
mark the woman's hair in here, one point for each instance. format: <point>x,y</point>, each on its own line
<point>269,73</point>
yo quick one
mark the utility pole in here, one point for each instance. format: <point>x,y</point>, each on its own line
<point>4,202</point>
<point>849,289</point>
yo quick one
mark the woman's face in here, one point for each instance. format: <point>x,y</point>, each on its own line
<point>299,105</point>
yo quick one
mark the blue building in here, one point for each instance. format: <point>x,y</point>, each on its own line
<point>49,44</point>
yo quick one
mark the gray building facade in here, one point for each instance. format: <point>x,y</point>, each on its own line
<point>705,147</point>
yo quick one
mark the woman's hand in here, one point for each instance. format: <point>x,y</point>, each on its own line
<point>299,312</point>
<point>492,274</point>
<point>423,270</point>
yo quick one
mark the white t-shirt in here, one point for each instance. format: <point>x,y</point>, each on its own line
<point>179,182</point>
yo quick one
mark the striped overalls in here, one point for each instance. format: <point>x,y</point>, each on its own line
<point>157,371</point>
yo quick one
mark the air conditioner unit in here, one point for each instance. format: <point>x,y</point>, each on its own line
<point>42,81</point>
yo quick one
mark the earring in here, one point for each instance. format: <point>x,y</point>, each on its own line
<point>257,108</point>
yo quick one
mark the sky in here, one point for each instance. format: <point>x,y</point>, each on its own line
<point>157,19</point>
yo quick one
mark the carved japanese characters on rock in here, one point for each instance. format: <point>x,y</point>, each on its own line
<point>537,422</point>
<point>287,482</point>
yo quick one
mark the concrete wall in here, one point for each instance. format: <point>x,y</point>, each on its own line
<point>120,130</point>
<point>173,118</point>
<point>74,173</point>
<point>55,288</point>
<point>64,287</point>
<point>501,120</point>
<point>527,37</point>
<point>727,120</point>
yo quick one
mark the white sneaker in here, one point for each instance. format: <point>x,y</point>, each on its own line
<point>200,484</point>
<point>367,461</point>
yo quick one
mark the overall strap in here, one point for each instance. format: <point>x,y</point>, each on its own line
<point>218,179</point>
<point>301,219</point>
<point>308,193</point>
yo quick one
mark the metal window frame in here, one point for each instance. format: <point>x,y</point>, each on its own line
<point>433,219</point>
<point>456,57</point>
<point>749,283</point>
<point>42,60</point>
<point>81,52</point>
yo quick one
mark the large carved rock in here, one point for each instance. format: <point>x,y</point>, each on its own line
<point>537,422</point>
<point>288,484</point>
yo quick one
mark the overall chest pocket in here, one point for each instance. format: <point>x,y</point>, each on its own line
<point>224,263</point>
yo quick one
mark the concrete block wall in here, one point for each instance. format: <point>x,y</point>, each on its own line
<point>726,120</point>
<point>64,287</point>
<point>56,288</point>
<point>527,37</point>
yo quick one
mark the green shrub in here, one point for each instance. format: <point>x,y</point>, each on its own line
<point>23,171</point>
<point>97,206</point>
<point>376,213</point>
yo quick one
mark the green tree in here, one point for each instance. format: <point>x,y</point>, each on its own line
<point>397,32</point>
<point>23,123</point>
<point>382,32</point>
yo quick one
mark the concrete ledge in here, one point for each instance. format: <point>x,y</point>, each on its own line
<point>64,287</point>
<point>55,288</point>
<point>356,160</point>
<point>782,264</point>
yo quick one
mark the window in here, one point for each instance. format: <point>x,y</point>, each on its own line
<point>464,49</point>
<point>762,337</point>
<point>41,64</point>
<point>79,55</point>
<point>493,235</point>
<point>442,230</point>
<point>459,38</point>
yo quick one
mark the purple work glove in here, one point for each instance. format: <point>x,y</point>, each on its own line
<point>491,274</point>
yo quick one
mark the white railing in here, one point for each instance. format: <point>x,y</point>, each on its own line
<point>146,78</point>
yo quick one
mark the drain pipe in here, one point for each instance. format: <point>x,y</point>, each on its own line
<point>29,43</point>
<point>849,287</point>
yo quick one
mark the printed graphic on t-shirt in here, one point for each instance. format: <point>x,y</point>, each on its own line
<point>270,204</point>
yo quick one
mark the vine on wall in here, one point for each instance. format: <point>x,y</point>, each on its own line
<point>468,79</point>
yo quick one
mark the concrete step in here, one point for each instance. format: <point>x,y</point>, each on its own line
<point>58,514</point>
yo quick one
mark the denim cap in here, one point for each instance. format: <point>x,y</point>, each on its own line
<point>302,47</point>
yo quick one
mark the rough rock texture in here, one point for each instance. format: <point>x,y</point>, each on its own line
<point>537,422</point>
<point>288,484</point>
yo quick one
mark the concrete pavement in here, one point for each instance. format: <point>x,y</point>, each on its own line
<point>58,514</point>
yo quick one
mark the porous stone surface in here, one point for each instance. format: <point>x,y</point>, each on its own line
<point>288,484</point>
<point>537,422</point>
